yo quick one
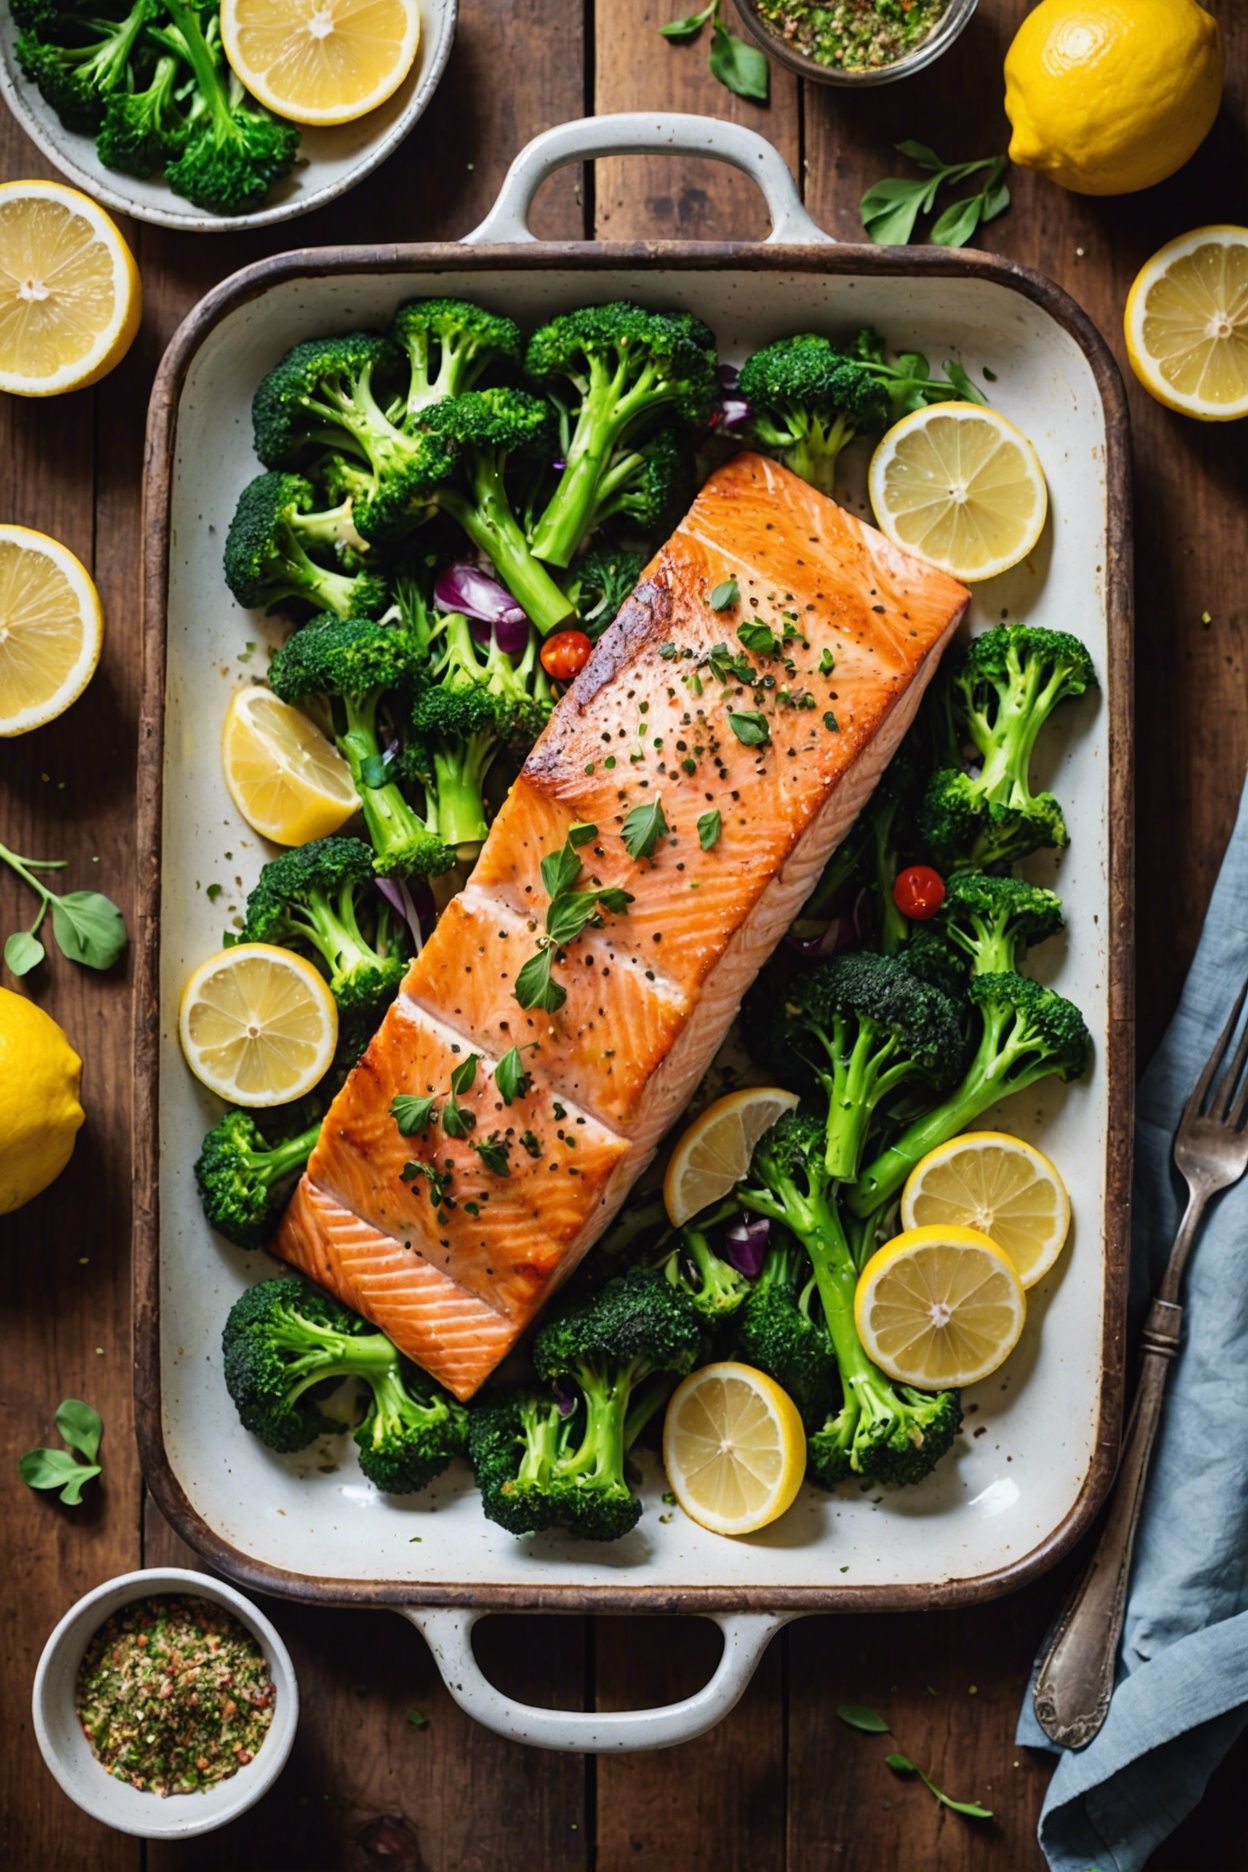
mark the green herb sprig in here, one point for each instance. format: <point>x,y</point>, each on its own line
<point>81,1428</point>
<point>869,1722</point>
<point>569,914</point>
<point>742,68</point>
<point>88,927</point>
<point>643,827</point>
<point>891,208</point>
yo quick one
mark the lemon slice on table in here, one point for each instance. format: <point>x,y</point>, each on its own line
<point>1000,1185</point>
<point>1186,324</point>
<point>714,1153</point>
<point>939,1306</point>
<point>734,1448</point>
<point>962,487</point>
<point>321,61</point>
<point>258,1025</point>
<point>289,782</point>
<point>51,629</point>
<point>70,299</point>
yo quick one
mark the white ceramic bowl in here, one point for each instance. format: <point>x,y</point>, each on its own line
<point>330,161</point>
<point>68,1753</point>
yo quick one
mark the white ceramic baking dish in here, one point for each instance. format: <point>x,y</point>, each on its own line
<point>1041,1438</point>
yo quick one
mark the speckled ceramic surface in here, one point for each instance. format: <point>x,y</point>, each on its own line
<point>1032,1432</point>
<point>330,161</point>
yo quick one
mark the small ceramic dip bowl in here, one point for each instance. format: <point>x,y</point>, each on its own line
<point>68,1753</point>
<point>941,36</point>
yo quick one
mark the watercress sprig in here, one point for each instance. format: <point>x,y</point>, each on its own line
<point>891,208</point>
<point>740,67</point>
<point>88,927</point>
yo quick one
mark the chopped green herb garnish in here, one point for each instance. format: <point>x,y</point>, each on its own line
<point>412,1115</point>
<point>643,827</point>
<point>709,828</point>
<point>726,594</point>
<point>749,727</point>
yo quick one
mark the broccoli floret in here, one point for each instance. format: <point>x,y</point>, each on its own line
<point>708,1282</point>
<point>1007,684</point>
<point>935,961</point>
<point>77,79</point>
<point>864,1025</point>
<point>484,430</point>
<point>600,581</point>
<point>908,380</point>
<point>774,1330</point>
<point>270,547</point>
<point>646,485</point>
<point>543,1465</point>
<point>322,897</point>
<point>1026,1032</point>
<point>996,920</point>
<point>807,401</point>
<point>881,1431</point>
<point>283,1336</point>
<point>353,663</point>
<point>142,129</point>
<point>45,17</point>
<point>235,151</point>
<point>242,1177</point>
<point>450,344</point>
<point>629,368</point>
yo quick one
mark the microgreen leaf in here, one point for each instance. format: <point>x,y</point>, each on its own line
<point>740,68</point>
<point>749,727</point>
<point>890,208</point>
<point>510,1077</point>
<point>411,1115</point>
<point>23,952</point>
<point>902,1766</point>
<point>89,928</point>
<point>535,986</point>
<point>709,828</point>
<point>417,1719</point>
<point>726,594</point>
<point>859,1716</point>
<point>80,1426</point>
<point>683,30</point>
<point>464,1074</point>
<point>643,827</point>
<point>827,662</point>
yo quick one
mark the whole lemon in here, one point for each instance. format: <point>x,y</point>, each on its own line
<point>39,1109</point>
<point>1107,96</point>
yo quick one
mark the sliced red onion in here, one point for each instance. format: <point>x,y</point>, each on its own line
<point>814,940</point>
<point>565,1400</point>
<point>400,900</point>
<point>732,410</point>
<point>467,589</point>
<point>745,1245</point>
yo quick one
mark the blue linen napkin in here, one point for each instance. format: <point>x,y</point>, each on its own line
<point>1182,1692</point>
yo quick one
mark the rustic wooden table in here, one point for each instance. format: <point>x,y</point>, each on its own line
<point>781,1783</point>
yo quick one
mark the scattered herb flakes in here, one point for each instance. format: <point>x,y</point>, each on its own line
<point>531,1143</point>
<point>726,594</point>
<point>411,1115</point>
<point>730,666</point>
<point>643,827</point>
<point>493,1152</point>
<point>830,722</point>
<point>213,891</point>
<point>859,1716</point>
<point>759,638</point>
<point>904,1768</point>
<point>827,662</point>
<point>750,727</point>
<point>709,826</point>
<point>417,1719</point>
<point>439,1180</point>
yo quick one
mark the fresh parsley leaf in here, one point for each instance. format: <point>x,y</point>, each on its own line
<point>902,1766</point>
<point>81,1426</point>
<point>439,1180</point>
<point>456,1121</point>
<point>411,1115</point>
<point>510,1077</point>
<point>493,1154</point>
<point>740,68</point>
<point>464,1074</point>
<point>683,30</point>
<point>749,727</point>
<point>23,952</point>
<point>709,828</point>
<point>560,871</point>
<point>726,594</point>
<point>581,833</point>
<point>89,928</point>
<point>643,827</point>
<point>859,1716</point>
<point>535,985</point>
<point>759,637</point>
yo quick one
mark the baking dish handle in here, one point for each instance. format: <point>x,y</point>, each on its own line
<point>448,1633</point>
<point>648,133</point>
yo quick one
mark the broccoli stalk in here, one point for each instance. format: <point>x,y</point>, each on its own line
<point>890,1433</point>
<point>710,1283</point>
<point>241,1177</point>
<point>643,484</point>
<point>236,151</point>
<point>354,663</point>
<point>313,898</point>
<point>76,80</point>
<point>284,1336</point>
<point>449,345</point>
<point>774,1330</point>
<point>995,920</point>
<point>1027,1033</point>
<point>627,367</point>
<point>141,129</point>
<point>270,545</point>
<point>807,402</point>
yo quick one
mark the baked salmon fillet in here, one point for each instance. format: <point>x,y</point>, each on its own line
<point>743,742</point>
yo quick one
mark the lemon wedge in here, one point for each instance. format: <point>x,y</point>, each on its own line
<point>258,1025</point>
<point>734,1448</point>
<point>321,61</point>
<point>289,782</point>
<point>1000,1185</point>
<point>939,1307</point>
<point>51,629</point>
<point>962,487</point>
<point>714,1152</point>
<point>1186,324</point>
<point>70,299</point>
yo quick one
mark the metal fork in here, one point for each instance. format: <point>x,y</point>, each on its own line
<point>1075,1680</point>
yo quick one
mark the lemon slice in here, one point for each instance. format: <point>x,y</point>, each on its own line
<point>258,1025</point>
<point>1000,1185</point>
<point>287,780</point>
<point>321,61</point>
<point>939,1306</point>
<point>51,629</point>
<point>962,487</point>
<point>714,1153</point>
<point>1186,324</point>
<point>734,1448</point>
<point>70,300</point>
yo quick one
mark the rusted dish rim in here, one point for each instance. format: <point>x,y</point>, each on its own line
<point>589,257</point>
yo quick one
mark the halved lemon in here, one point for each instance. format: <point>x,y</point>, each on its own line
<point>321,61</point>
<point>70,299</point>
<point>939,1306</point>
<point>714,1153</point>
<point>258,1025</point>
<point>1000,1185</point>
<point>289,782</point>
<point>1186,324</point>
<point>734,1448</point>
<point>51,629</point>
<point>962,487</point>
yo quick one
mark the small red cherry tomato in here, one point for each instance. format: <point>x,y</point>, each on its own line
<point>565,654</point>
<point>918,892</point>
